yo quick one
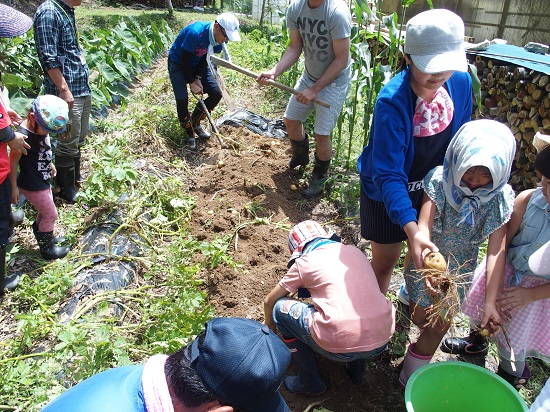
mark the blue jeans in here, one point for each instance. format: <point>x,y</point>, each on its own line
<point>179,85</point>
<point>293,318</point>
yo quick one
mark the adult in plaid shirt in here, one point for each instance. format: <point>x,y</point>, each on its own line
<point>65,75</point>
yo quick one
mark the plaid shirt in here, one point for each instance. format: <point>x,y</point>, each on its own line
<point>57,46</point>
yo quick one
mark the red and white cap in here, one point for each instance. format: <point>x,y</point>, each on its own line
<point>301,234</point>
<point>539,262</point>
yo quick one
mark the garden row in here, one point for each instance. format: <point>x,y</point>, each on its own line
<point>114,56</point>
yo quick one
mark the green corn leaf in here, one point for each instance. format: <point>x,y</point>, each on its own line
<point>476,84</point>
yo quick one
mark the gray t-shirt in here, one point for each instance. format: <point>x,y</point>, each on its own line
<point>318,28</point>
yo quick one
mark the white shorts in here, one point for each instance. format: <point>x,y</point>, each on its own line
<point>325,119</point>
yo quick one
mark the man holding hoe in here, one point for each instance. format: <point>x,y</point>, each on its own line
<point>188,65</point>
<point>320,29</point>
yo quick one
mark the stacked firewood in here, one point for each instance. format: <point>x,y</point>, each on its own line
<point>518,97</point>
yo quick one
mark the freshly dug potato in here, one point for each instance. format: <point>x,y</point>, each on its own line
<point>484,332</point>
<point>435,261</point>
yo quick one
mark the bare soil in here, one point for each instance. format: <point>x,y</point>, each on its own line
<point>255,177</point>
<point>255,174</point>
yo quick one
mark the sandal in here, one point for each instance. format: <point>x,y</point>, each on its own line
<point>465,346</point>
<point>517,382</point>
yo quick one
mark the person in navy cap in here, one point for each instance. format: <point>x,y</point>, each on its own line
<point>234,365</point>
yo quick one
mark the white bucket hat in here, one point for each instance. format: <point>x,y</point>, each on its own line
<point>434,39</point>
<point>539,262</point>
<point>230,24</point>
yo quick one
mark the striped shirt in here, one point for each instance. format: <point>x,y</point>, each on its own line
<point>57,45</point>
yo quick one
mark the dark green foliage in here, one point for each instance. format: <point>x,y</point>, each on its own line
<point>114,55</point>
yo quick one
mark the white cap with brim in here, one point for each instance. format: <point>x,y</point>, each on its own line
<point>230,24</point>
<point>435,41</point>
<point>539,262</point>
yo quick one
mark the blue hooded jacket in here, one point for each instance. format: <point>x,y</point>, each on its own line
<point>385,163</point>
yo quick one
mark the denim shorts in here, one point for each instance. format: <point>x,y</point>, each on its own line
<point>293,318</point>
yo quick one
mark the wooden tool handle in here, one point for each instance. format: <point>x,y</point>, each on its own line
<point>229,65</point>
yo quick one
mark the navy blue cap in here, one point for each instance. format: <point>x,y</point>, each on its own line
<point>242,362</point>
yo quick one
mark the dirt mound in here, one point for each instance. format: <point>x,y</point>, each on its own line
<point>244,192</point>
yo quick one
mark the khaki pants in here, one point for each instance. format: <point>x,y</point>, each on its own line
<point>80,120</point>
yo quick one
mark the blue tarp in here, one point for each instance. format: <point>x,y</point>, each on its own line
<point>516,55</point>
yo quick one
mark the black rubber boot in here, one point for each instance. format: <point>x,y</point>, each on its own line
<point>473,345</point>
<point>17,217</point>
<point>189,134</point>
<point>308,381</point>
<point>196,118</point>
<point>48,249</point>
<point>77,175</point>
<point>56,240</point>
<point>6,282</point>
<point>318,178</point>
<point>66,178</point>
<point>300,153</point>
<point>355,370</point>
<point>2,270</point>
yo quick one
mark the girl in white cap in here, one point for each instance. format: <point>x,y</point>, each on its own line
<point>415,116</point>
<point>49,114</point>
<point>524,302</point>
<point>466,201</point>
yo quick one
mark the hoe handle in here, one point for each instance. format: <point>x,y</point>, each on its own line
<point>221,62</point>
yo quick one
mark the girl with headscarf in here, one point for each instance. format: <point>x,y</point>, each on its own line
<point>524,294</point>
<point>466,201</point>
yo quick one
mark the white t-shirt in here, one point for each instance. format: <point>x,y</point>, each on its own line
<point>542,403</point>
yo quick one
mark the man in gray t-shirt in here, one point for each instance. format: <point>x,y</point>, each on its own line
<point>320,29</point>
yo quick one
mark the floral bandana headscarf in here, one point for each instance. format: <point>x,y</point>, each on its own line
<point>477,143</point>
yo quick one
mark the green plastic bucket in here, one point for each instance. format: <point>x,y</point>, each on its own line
<point>459,386</point>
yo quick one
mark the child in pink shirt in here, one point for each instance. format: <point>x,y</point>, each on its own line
<point>349,319</point>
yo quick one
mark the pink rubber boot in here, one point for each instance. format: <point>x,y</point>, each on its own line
<point>411,363</point>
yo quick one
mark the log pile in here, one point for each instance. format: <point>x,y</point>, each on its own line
<point>519,98</point>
